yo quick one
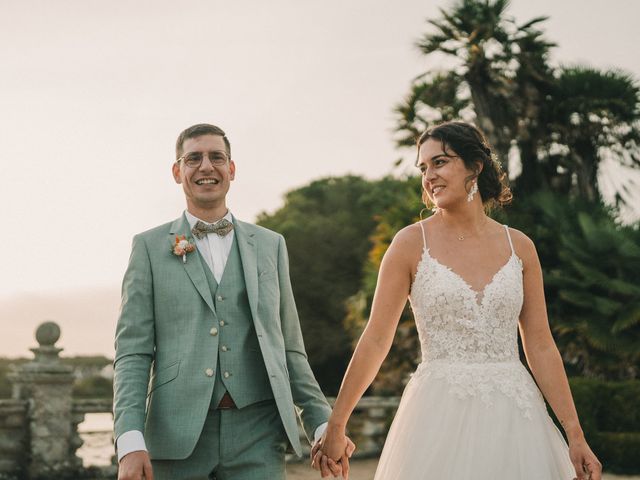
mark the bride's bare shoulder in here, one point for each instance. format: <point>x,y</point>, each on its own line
<point>523,245</point>
<point>408,243</point>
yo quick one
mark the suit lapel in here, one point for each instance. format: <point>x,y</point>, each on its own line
<point>193,265</point>
<point>247,247</point>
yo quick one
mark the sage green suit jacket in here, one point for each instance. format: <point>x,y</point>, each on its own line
<point>164,346</point>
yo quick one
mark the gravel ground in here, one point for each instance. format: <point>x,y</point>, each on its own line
<point>365,469</point>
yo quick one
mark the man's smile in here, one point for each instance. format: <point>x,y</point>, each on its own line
<point>207,181</point>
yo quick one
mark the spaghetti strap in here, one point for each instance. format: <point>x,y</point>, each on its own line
<point>424,236</point>
<point>506,227</point>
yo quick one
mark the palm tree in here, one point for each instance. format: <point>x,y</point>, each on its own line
<point>500,77</point>
<point>561,123</point>
<point>435,98</point>
<point>595,116</point>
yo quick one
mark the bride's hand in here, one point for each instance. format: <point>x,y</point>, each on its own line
<point>331,453</point>
<point>587,465</point>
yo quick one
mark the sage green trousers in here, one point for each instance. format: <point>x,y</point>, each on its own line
<point>245,444</point>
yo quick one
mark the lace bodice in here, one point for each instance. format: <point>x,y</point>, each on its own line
<point>469,337</point>
<point>457,324</point>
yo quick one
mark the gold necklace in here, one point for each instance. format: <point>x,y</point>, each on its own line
<point>461,236</point>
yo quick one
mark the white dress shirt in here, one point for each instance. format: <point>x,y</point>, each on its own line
<point>215,251</point>
<point>213,248</point>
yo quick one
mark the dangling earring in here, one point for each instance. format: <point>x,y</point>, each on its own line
<point>473,191</point>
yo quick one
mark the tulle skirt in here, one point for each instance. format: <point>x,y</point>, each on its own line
<point>473,422</point>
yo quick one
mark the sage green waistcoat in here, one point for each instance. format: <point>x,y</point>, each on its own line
<point>240,367</point>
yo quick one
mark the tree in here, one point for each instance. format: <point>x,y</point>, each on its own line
<point>327,225</point>
<point>560,123</point>
<point>590,264</point>
<point>595,116</point>
<point>405,351</point>
<point>499,77</point>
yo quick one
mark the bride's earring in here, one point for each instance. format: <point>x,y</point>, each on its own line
<point>473,191</point>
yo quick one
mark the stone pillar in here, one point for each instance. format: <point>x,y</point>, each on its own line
<point>46,384</point>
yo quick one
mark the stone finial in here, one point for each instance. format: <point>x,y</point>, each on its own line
<point>47,334</point>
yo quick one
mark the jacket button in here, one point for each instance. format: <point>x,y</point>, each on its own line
<point>219,298</point>
<point>222,323</point>
<point>209,372</point>
<point>224,348</point>
<point>213,331</point>
<point>227,374</point>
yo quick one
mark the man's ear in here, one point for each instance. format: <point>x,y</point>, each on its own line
<point>175,170</point>
<point>232,170</point>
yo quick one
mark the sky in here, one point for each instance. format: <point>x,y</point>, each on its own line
<point>93,95</point>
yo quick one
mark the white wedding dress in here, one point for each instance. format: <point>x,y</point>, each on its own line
<point>471,410</point>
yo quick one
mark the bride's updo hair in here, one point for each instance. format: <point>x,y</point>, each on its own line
<point>468,142</point>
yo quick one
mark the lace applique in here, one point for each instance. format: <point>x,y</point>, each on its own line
<point>483,379</point>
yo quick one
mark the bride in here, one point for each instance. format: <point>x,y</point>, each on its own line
<point>471,410</point>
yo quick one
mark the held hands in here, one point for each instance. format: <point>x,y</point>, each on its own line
<point>135,466</point>
<point>584,461</point>
<point>331,453</point>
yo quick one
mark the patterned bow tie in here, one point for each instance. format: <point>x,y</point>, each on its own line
<point>222,227</point>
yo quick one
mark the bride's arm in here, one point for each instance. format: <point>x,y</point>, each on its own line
<point>544,358</point>
<point>392,289</point>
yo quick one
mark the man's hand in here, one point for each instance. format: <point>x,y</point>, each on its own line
<point>135,466</point>
<point>327,465</point>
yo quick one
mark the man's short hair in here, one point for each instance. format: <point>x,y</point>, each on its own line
<point>197,131</point>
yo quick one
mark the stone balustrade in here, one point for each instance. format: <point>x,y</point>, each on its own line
<point>39,425</point>
<point>13,436</point>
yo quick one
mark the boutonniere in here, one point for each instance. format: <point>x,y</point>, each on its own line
<point>182,247</point>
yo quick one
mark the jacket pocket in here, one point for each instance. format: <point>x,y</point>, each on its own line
<point>267,275</point>
<point>164,376</point>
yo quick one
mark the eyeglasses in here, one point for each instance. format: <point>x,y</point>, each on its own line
<point>194,159</point>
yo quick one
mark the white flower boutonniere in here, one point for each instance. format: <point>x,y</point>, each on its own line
<point>183,246</point>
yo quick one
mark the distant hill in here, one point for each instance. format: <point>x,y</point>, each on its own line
<point>87,319</point>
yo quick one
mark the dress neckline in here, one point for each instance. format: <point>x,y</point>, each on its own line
<point>479,295</point>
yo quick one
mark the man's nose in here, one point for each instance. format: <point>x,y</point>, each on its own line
<point>206,163</point>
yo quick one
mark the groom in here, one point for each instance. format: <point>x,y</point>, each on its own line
<point>208,310</point>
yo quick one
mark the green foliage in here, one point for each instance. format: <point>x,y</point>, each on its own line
<point>327,225</point>
<point>405,351</point>
<point>611,421</point>
<point>590,264</point>
<point>619,451</point>
<point>87,361</point>
<point>500,77</point>
<point>594,115</point>
<point>90,387</point>
<point>561,122</point>
<point>93,387</point>
<point>432,98</point>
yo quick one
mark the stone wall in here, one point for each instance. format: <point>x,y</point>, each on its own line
<point>13,436</point>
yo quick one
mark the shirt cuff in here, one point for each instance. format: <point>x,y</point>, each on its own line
<point>317,435</point>
<point>131,441</point>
